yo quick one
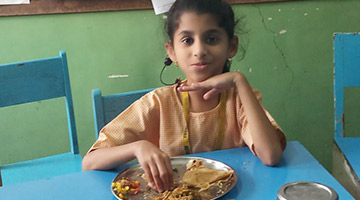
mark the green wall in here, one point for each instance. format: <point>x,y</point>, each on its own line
<point>293,70</point>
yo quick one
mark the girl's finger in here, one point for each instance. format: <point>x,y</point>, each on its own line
<point>211,93</point>
<point>148,174</point>
<point>170,176</point>
<point>156,177</point>
<point>195,86</point>
<point>186,88</point>
<point>164,175</point>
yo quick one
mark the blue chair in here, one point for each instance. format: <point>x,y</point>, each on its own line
<point>106,108</point>
<point>346,153</point>
<point>32,81</point>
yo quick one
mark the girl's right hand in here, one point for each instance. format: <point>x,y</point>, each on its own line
<point>156,165</point>
<point>215,84</point>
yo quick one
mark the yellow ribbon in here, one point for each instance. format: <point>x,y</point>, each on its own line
<point>221,122</point>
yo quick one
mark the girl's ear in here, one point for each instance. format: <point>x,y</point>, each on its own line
<point>170,51</point>
<point>233,46</point>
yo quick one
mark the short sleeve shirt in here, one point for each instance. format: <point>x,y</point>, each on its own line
<point>159,118</point>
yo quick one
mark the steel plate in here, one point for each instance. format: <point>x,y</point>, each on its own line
<point>179,163</point>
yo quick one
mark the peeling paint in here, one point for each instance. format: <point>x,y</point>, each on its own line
<point>250,69</point>
<point>270,18</point>
<point>283,31</point>
<point>279,10</point>
<point>118,76</point>
<point>305,14</point>
<point>343,171</point>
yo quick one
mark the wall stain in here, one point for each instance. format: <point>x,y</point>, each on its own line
<point>281,53</point>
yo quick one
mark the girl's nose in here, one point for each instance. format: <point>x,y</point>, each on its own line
<point>200,49</point>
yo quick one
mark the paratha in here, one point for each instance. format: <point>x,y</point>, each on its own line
<point>203,177</point>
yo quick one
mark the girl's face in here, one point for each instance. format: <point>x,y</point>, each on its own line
<point>200,46</point>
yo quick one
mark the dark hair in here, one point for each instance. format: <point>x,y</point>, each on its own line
<point>219,8</point>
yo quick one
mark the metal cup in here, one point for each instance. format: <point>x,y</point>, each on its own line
<point>306,190</point>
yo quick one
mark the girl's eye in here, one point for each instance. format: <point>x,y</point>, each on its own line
<point>187,40</point>
<point>212,40</point>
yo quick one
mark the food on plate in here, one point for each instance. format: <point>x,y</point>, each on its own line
<point>203,177</point>
<point>197,179</point>
<point>179,193</point>
<point>125,187</point>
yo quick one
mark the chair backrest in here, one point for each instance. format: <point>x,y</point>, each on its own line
<point>0,178</point>
<point>346,73</point>
<point>106,108</point>
<point>36,80</point>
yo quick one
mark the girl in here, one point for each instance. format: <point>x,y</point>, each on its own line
<point>212,109</point>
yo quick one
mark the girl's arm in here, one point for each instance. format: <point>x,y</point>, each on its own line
<point>266,141</point>
<point>155,163</point>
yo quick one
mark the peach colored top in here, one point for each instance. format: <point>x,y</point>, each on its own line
<point>158,117</point>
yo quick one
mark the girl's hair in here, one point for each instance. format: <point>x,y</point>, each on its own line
<point>219,8</point>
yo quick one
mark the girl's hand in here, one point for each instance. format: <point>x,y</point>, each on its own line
<point>156,165</point>
<point>214,85</point>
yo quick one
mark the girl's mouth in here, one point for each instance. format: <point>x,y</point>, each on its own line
<point>199,66</point>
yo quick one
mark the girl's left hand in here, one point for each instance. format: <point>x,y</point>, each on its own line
<point>214,85</point>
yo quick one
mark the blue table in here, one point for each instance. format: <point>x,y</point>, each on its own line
<point>256,181</point>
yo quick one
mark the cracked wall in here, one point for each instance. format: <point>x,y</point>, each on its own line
<point>290,53</point>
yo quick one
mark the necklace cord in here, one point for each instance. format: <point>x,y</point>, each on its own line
<point>218,144</point>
